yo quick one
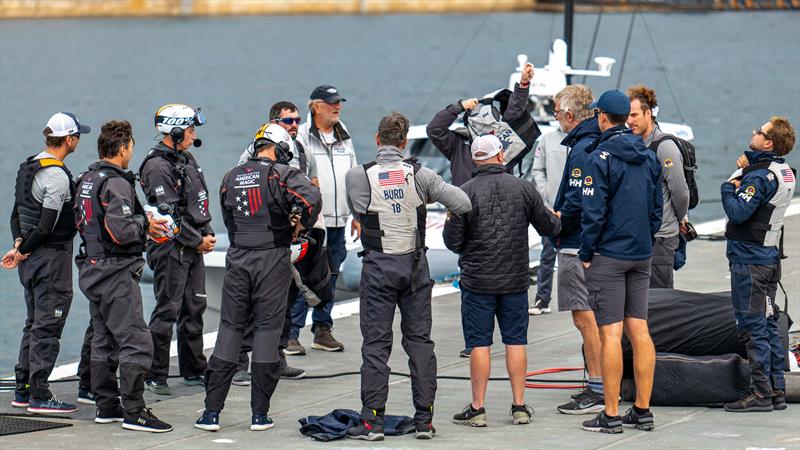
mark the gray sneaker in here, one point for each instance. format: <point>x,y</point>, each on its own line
<point>292,373</point>
<point>471,417</point>
<point>157,387</point>
<point>521,414</point>
<point>324,340</point>
<point>241,378</point>
<point>294,348</point>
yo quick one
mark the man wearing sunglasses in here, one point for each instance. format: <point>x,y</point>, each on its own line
<point>43,226</point>
<point>755,199</point>
<point>172,181</point>
<point>328,142</point>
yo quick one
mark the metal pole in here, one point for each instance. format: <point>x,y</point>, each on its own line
<point>569,13</point>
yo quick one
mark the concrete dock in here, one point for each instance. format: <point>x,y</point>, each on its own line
<point>553,342</point>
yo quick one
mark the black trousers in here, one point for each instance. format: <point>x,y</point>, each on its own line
<point>85,364</point>
<point>180,289</point>
<point>255,288</point>
<point>247,340</point>
<point>46,278</point>
<point>389,281</point>
<point>120,338</point>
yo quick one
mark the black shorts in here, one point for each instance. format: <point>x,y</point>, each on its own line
<point>618,289</point>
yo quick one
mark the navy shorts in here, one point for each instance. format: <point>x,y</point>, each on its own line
<point>479,310</point>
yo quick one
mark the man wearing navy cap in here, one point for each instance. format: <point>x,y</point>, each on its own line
<point>621,213</point>
<point>42,223</point>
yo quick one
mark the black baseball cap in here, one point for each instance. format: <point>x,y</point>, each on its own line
<point>327,94</point>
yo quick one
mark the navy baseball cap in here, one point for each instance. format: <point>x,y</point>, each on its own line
<point>327,94</point>
<point>613,102</point>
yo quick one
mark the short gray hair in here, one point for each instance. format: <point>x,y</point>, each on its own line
<point>576,99</point>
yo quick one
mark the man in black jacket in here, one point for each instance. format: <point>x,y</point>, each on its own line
<point>492,244</point>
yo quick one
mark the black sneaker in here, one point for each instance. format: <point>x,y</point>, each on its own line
<point>587,402</point>
<point>194,381</point>
<point>86,397</point>
<point>367,430</point>
<point>521,414</point>
<point>109,415</point>
<point>465,353</point>
<point>21,399</point>
<point>471,417</point>
<point>50,406</point>
<point>750,403</point>
<point>603,424</point>
<point>292,373</point>
<point>209,421</point>
<point>578,394</point>
<point>643,422</point>
<point>425,430</point>
<point>145,420</point>
<point>779,400</point>
<point>157,387</point>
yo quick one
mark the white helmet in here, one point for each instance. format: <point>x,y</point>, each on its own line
<point>273,133</point>
<point>299,249</point>
<point>176,115</point>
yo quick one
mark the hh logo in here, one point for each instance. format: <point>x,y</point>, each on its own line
<point>588,191</point>
<point>575,182</point>
<point>58,313</point>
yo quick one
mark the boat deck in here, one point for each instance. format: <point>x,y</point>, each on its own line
<point>553,343</point>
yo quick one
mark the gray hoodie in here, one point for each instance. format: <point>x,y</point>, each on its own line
<point>673,184</point>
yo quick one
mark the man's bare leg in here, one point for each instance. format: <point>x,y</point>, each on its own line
<point>517,365</point>
<point>480,366</point>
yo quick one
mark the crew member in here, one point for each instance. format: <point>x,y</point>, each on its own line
<point>494,272</point>
<point>621,212</point>
<point>642,121</point>
<point>260,201</point>
<point>755,199</point>
<point>43,227</point>
<point>575,117</point>
<point>114,229</point>
<point>173,182</point>
<point>388,196</point>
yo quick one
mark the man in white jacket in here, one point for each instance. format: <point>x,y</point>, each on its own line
<point>327,141</point>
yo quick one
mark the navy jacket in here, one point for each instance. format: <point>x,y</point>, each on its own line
<point>568,199</point>
<point>740,208</point>
<point>622,199</point>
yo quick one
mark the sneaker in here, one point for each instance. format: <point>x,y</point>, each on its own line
<point>157,387</point>
<point>86,397</point>
<point>261,422</point>
<point>751,403</point>
<point>294,348</point>
<point>539,307</point>
<point>209,421</point>
<point>367,430</point>
<point>604,424</point>
<point>21,400</point>
<point>109,415</point>
<point>424,430</point>
<point>292,373</point>
<point>521,414</point>
<point>587,402</point>
<point>51,405</point>
<point>145,420</point>
<point>578,394</point>
<point>324,340</point>
<point>241,378</point>
<point>643,422</point>
<point>194,381</point>
<point>465,353</point>
<point>471,417</point>
<point>779,400</point>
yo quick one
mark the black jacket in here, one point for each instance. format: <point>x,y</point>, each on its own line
<point>492,239</point>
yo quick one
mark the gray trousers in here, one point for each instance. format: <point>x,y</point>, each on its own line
<point>661,269</point>
<point>255,288</point>
<point>120,338</point>
<point>46,278</point>
<point>179,281</point>
<point>389,281</point>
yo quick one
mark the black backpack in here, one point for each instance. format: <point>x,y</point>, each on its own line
<point>689,164</point>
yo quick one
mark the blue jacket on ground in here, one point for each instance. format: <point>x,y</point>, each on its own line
<point>568,199</point>
<point>739,208</point>
<point>622,199</point>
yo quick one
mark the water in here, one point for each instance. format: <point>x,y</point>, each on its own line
<point>730,73</point>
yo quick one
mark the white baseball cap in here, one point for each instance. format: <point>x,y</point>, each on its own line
<point>65,124</point>
<point>485,147</point>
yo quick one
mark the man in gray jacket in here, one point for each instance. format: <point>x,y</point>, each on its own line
<point>389,197</point>
<point>642,121</point>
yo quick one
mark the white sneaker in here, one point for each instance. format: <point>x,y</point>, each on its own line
<point>539,308</point>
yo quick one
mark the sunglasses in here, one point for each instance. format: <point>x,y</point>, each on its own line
<point>290,120</point>
<point>761,132</point>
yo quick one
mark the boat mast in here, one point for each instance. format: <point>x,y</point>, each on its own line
<point>569,13</point>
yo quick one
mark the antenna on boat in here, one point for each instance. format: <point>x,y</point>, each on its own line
<point>569,15</point>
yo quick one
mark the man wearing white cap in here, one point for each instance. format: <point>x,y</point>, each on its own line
<point>42,223</point>
<point>492,243</point>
